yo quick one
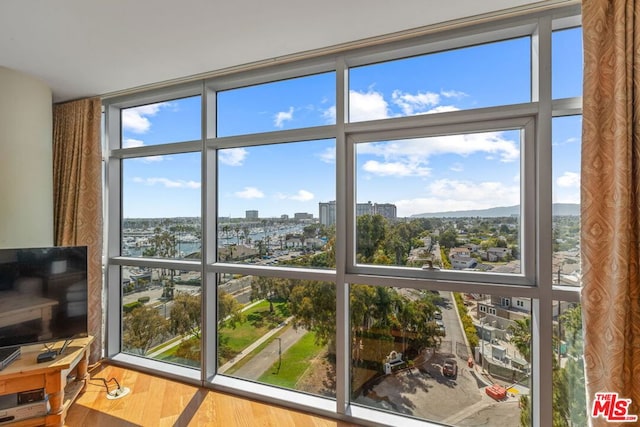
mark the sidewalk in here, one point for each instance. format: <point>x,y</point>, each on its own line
<point>253,346</point>
<point>162,348</point>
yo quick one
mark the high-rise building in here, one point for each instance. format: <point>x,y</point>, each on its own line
<point>386,210</point>
<point>302,215</point>
<point>252,214</point>
<point>364,209</point>
<point>327,213</point>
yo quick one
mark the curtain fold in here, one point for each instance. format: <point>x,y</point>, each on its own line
<point>610,228</point>
<point>77,192</point>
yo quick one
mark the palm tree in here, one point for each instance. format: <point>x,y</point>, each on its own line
<point>237,231</point>
<point>521,337</point>
<point>225,230</point>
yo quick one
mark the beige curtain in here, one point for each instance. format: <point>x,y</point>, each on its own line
<point>77,188</point>
<point>610,230</point>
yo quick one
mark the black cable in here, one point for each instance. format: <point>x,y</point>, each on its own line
<point>106,385</point>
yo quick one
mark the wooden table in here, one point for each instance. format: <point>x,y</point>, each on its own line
<point>26,374</point>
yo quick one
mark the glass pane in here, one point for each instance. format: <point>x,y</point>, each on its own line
<point>163,122</point>
<point>453,201</point>
<point>569,394</point>
<point>566,63</point>
<point>287,104</point>
<point>473,77</point>
<point>268,198</point>
<point>278,331</point>
<point>161,206</point>
<point>566,200</point>
<point>447,357</point>
<point>161,314</point>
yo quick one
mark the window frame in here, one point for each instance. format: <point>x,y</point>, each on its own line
<point>536,233</point>
<point>463,122</point>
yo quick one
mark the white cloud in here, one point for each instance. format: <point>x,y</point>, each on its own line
<point>328,155</point>
<point>442,109</point>
<point>570,140</point>
<point>367,106</point>
<point>371,105</point>
<point>301,196</point>
<point>152,159</point>
<point>400,168</point>
<point>283,116</point>
<point>490,193</point>
<point>168,183</point>
<point>132,143</point>
<point>569,179</point>
<point>453,94</point>
<point>232,156</point>
<point>452,195</point>
<point>250,193</point>
<point>410,157</point>
<point>457,167</point>
<point>136,119</point>
<point>329,115</point>
<point>412,104</point>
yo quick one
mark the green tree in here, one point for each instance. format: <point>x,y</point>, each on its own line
<point>521,339</point>
<point>186,314</point>
<point>448,238</point>
<point>142,328</point>
<point>163,244</point>
<point>229,310</point>
<point>270,288</point>
<point>425,333</point>
<point>313,305</point>
<point>574,366</point>
<point>521,336</point>
<point>370,234</point>
<point>361,301</point>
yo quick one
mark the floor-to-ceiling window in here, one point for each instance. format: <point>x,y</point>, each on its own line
<point>389,233</point>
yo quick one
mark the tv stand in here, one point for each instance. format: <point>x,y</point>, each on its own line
<point>26,374</point>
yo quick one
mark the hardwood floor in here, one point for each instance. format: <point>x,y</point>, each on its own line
<point>155,401</point>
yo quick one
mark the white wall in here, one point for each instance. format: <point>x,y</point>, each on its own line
<point>26,161</point>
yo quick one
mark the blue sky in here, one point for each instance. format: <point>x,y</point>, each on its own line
<point>470,171</point>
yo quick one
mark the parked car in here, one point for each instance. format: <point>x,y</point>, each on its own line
<point>450,368</point>
<point>437,315</point>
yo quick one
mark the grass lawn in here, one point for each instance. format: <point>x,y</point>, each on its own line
<point>255,325</point>
<point>170,354</point>
<point>295,362</point>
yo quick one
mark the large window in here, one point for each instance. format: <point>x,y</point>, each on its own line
<point>389,233</point>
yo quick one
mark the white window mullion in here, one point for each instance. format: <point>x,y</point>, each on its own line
<point>343,359</point>
<point>114,200</point>
<point>542,309</point>
<point>209,344</point>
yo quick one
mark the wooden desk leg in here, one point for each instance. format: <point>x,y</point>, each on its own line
<point>81,369</point>
<point>55,392</point>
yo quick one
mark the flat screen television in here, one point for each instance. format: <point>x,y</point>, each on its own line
<point>43,294</point>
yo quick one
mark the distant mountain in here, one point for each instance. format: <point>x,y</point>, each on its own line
<point>563,209</point>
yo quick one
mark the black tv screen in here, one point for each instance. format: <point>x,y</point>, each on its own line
<point>43,294</point>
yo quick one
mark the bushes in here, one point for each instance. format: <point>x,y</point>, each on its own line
<point>467,323</point>
<point>129,307</point>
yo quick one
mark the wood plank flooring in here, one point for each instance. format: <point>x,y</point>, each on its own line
<point>155,401</point>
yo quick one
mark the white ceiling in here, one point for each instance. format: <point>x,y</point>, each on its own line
<point>84,48</point>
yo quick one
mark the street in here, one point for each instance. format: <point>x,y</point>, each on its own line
<point>426,393</point>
